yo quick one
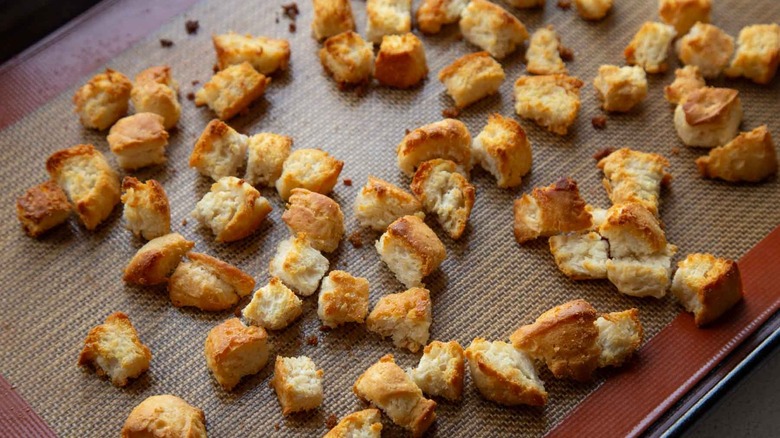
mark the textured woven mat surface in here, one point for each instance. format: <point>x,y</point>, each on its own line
<point>56,288</point>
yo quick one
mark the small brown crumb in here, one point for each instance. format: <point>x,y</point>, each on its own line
<point>407,131</point>
<point>292,28</point>
<point>566,53</point>
<point>291,10</point>
<point>675,151</point>
<point>450,112</point>
<point>195,82</point>
<point>166,43</point>
<point>215,68</point>
<point>276,19</point>
<point>362,89</point>
<point>331,422</point>
<point>324,328</point>
<point>602,153</point>
<point>190,96</point>
<point>356,239</point>
<point>276,426</point>
<point>564,4</point>
<point>192,26</point>
<point>184,222</point>
<point>599,122</point>
<point>312,340</point>
<point>347,182</point>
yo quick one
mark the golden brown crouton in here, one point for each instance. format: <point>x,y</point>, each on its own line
<point>642,276</point>
<point>406,316</point>
<point>580,256</point>
<point>348,58</point>
<point>552,101</point>
<point>683,14</point>
<point>42,208</point>
<point>379,203</point>
<point>557,208</point>
<point>491,28</point>
<point>620,335</point>
<point>445,192</point>
<point>503,149</point>
<point>208,283</point>
<point>298,384</point>
<point>593,9</point>
<point>707,286</point>
<point>686,80</point>
<point>543,53</point>
<point>266,55</point>
<point>231,90</point>
<point>433,14</point>
<point>273,306</point>
<point>441,370</point>
<point>343,298</point>
<point>472,77</point>
<point>138,141</point>
<point>165,415</point>
<point>234,350</point>
<point>310,169</point>
<point>751,157</point>
<point>632,230</point>
<point>233,209</point>
<point>113,349</point>
<point>708,117</point>
<point>650,47</point>
<point>400,62</point>
<point>298,265</point>
<point>758,53</point>
<point>155,91</point>
<point>707,47</point>
<point>147,212</point>
<point>620,88</point>
<point>331,17</point>
<point>103,100</point>
<point>448,139</point>
<point>219,152</point>
<point>635,177</point>
<point>363,424</point>
<point>266,154</point>
<point>387,17</point>
<point>317,216</point>
<point>411,250</point>
<point>155,260</point>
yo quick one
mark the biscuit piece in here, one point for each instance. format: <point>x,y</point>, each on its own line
<point>543,53</point>
<point>298,265</point>
<point>379,203</point>
<point>472,77</point>
<point>231,90</point>
<point>298,384</point>
<point>155,91</point>
<point>504,374</point>
<point>597,215</point>
<point>165,415</point>
<point>707,286</point>
<point>348,58</point>
<point>155,260</point>
<point>103,100</point>
<point>42,208</point>
<point>445,192</point>
<point>433,14</point>
<point>491,28</point>
<point>642,276</point>
<point>708,117</point>
<point>620,335</point>
<point>331,17</point>
<point>219,152</point>
<point>751,157</point>
<point>362,424</point>
<point>89,181</point>
<point>273,306</point>
<point>266,55</point>
<point>138,141</point>
<point>317,216</point>
<point>503,149</point>
<point>758,53</point>
<point>707,47</point>
<point>233,209</point>
<point>147,212</point>
<point>580,256</point>
<point>266,154</point>
<point>683,14</point>
<point>208,283</point>
<point>406,316</point>
<point>632,230</point>
<point>557,208</point>
<point>386,386</point>
<point>411,250</point>
<point>400,62</point>
<point>387,17</point>
<point>441,370</point>
<point>635,177</point>
<point>113,349</point>
<point>686,80</point>
<point>448,139</point>
<point>552,101</point>
<point>620,88</point>
<point>310,169</point>
<point>234,350</point>
<point>343,298</point>
<point>593,9</point>
<point>650,47</point>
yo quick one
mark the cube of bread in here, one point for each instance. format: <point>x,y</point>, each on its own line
<point>266,154</point>
<point>298,265</point>
<point>552,101</point>
<point>707,47</point>
<point>165,415</point>
<point>503,149</point>
<point>441,370</point>
<point>543,54</point>
<point>557,208</point>
<point>597,215</point>
<point>683,14</point>
<point>708,117</point>
<point>317,216</point>
<point>103,100</point>
<point>504,374</point>
<point>406,316</point>
<point>233,209</point>
<point>472,77</point>
<point>632,231</point>
<point>114,349</point>
<point>138,141</point>
<point>650,47</point>
<point>433,14</point>
<point>298,384</point>
<point>348,58</point>
<point>446,193</point>
<point>635,177</point>
<point>219,152</point>
<point>580,256</point>
<point>234,350</point>
<point>331,17</point>
<point>758,53</point>
<point>155,91</point>
<point>491,28</point>
<point>642,276</point>
<point>266,55</point>
<point>400,62</point>
<point>620,88</point>
<point>343,299</point>
<point>593,9</point>
<point>155,260</point>
<point>232,90</point>
<point>751,157</point>
<point>707,286</point>
<point>208,283</point>
<point>379,203</point>
<point>362,424</point>
<point>620,335</point>
<point>686,80</point>
<point>273,306</point>
<point>42,208</point>
<point>448,139</point>
<point>411,250</point>
<point>387,17</point>
<point>386,386</point>
<point>310,169</point>
<point>89,181</point>
<point>147,212</point>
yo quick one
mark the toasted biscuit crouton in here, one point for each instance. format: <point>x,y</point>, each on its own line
<point>593,9</point>
<point>266,154</point>
<point>155,91</point>
<point>299,265</point>
<point>317,216</point>
<point>632,230</point>
<point>362,424</point>
<point>343,298</point>
<point>707,47</point>
<point>580,256</point>
<point>165,415</point>
<point>234,350</point>
<point>642,276</point>
<point>147,212</point>
<point>138,141</point>
<point>113,349</point>
<point>387,17</point>
<point>266,55</point>
<point>751,157</point>
<point>219,152</point>
<point>650,47</point>
<point>620,335</point>
<point>552,101</point>
<point>379,203</point>
<point>103,100</point>
<point>557,208</point>
<point>686,80</point>
<point>758,53</point>
<point>504,374</point>
<point>620,88</point>
<point>433,14</point>
<point>445,192</point>
<point>411,250</point>
<point>298,384</point>
<point>400,62</point>
<point>208,283</point>
<point>543,53</point>
<point>155,260</point>
<point>331,17</point>
<point>707,286</point>
<point>635,177</point>
<point>491,28</point>
<point>42,208</point>
<point>273,306</point>
<point>503,149</point>
<point>448,139</point>
<point>441,370</point>
<point>708,117</point>
<point>348,58</point>
<point>233,209</point>
<point>683,14</point>
<point>231,90</point>
<point>472,77</point>
<point>597,214</point>
<point>310,169</point>
<point>386,386</point>
<point>406,316</point>
<point>90,183</point>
